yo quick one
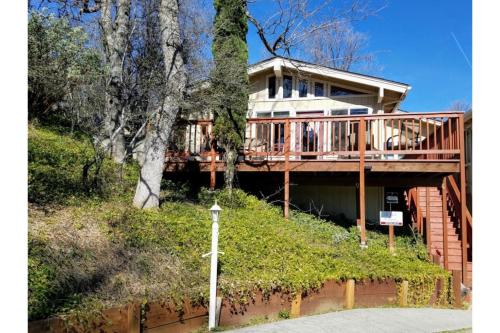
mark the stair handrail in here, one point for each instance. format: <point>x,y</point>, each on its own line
<point>452,189</point>
<point>413,199</point>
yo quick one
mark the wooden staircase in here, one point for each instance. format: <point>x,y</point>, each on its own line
<point>426,210</point>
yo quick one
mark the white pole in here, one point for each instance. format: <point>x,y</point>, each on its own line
<point>213,276</point>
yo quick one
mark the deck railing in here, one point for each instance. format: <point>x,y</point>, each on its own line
<point>430,136</point>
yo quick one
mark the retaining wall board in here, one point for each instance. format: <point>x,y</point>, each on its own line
<point>164,318</point>
<point>259,307</point>
<point>375,293</point>
<point>115,321</point>
<point>329,297</point>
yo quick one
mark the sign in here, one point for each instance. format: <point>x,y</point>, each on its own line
<point>391,218</point>
<point>391,197</point>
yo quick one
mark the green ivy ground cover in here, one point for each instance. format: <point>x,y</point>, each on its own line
<point>103,252</point>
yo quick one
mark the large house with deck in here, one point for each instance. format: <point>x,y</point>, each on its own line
<point>336,140</point>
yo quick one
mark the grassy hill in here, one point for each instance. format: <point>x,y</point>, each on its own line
<point>90,248</point>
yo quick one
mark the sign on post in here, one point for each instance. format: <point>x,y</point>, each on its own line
<point>391,198</point>
<point>391,218</point>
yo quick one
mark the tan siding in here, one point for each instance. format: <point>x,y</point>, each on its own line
<point>337,199</point>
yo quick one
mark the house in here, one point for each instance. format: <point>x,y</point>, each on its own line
<point>336,140</point>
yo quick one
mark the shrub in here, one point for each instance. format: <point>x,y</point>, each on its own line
<point>61,169</point>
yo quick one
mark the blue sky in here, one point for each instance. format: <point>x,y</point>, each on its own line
<point>413,43</point>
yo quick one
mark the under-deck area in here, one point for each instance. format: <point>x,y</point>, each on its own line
<point>353,158</point>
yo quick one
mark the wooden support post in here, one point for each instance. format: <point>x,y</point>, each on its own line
<point>133,318</point>
<point>403,296</point>
<point>362,147</point>
<point>445,222</point>
<point>295,310</point>
<point>391,238</point>
<point>287,168</point>
<point>428,221</point>
<point>457,288</point>
<point>212,164</point>
<point>463,201</point>
<point>349,294</point>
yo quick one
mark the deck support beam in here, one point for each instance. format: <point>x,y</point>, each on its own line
<point>428,236</point>
<point>287,169</point>
<point>463,201</point>
<point>362,212</point>
<point>212,165</point>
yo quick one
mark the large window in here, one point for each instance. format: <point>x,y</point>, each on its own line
<point>271,87</point>
<point>359,111</point>
<point>337,91</point>
<point>319,89</point>
<point>303,88</point>
<point>340,112</point>
<point>287,86</point>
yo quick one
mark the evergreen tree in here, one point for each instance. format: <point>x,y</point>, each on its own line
<point>230,85</point>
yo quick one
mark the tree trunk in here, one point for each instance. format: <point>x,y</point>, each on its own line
<point>115,40</point>
<point>229,173</point>
<point>148,187</point>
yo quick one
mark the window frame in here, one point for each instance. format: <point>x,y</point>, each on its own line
<point>291,86</point>
<point>276,87</point>
<point>314,89</point>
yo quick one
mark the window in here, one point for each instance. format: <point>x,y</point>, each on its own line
<point>287,86</point>
<point>337,91</point>
<point>271,87</point>
<point>341,112</point>
<point>355,112</point>
<point>280,114</point>
<point>263,114</point>
<point>303,88</point>
<point>319,89</point>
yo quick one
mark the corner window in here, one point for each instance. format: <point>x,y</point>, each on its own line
<point>337,91</point>
<point>271,87</point>
<point>303,88</point>
<point>319,89</point>
<point>287,86</point>
<point>355,112</point>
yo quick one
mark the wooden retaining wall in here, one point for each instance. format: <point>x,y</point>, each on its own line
<point>165,318</point>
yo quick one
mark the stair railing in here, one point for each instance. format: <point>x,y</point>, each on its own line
<point>414,208</point>
<point>454,205</point>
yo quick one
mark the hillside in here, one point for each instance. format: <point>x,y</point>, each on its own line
<point>89,248</point>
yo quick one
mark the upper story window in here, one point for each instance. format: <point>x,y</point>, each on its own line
<point>271,87</point>
<point>340,112</point>
<point>359,111</point>
<point>287,86</point>
<point>337,91</point>
<point>302,88</point>
<point>319,89</point>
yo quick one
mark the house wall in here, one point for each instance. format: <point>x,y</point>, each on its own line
<point>259,101</point>
<point>334,199</point>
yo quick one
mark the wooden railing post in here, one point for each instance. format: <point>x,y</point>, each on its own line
<point>287,168</point>
<point>445,222</point>
<point>362,147</point>
<point>463,200</point>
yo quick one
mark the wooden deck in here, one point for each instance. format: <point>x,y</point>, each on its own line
<point>413,142</point>
<point>404,147</point>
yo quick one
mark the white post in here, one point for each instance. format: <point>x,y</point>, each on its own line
<point>215,210</point>
<point>213,275</point>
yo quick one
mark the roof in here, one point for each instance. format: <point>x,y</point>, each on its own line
<point>330,71</point>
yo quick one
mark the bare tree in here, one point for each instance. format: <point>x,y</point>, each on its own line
<point>114,22</point>
<point>161,121</point>
<point>291,23</point>
<point>459,105</point>
<point>337,46</point>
